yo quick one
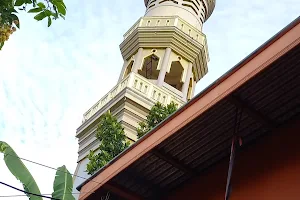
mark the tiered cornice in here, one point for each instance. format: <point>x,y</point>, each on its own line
<point>172,32</point>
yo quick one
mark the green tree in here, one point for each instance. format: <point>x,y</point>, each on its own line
<point>63,182</point>
<point>43,9</point>
<point>112,139</point>
<point>157,114</point>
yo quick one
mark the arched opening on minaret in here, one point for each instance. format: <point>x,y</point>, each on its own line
<point>190,90</point>
<point>173,78</point>
<point>128,69</point>
<point>149,70</point>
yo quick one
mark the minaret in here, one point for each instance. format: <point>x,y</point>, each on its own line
<point>165,54</point>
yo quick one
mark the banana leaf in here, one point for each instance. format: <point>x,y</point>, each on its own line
<point>19,170</point>
<point>63,184</point>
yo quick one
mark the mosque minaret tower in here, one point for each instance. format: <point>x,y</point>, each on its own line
<point>165,54</point>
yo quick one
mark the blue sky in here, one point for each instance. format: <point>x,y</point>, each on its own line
<point>50,76</point>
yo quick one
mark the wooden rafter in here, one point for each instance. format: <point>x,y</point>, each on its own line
<point>138,178</point>
<point>251,112</point>
<point>169,159</point>
<point>121,191</point>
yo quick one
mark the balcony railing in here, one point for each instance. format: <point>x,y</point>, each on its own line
<point>142,86</point>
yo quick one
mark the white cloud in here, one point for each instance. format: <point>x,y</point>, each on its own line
<point>50,76</point>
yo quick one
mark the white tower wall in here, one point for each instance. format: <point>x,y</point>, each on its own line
<point>195,12</point>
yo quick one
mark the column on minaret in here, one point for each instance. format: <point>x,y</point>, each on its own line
<point>186,83</point>
<point>164,67</point>
<point>138,60</point>
<point>194,87</point>
<point>123,70</point>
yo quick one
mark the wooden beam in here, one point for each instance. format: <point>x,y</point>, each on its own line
<point>140,180</point>
<point>251,112</point>
<point>169,159</point>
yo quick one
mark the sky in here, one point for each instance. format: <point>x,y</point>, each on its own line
<point>50,76</point>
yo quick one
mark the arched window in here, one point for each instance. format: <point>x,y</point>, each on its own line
<point>128,69</point>
<point>190,90</point>
<point>173,78</point>
<point>149,69</point>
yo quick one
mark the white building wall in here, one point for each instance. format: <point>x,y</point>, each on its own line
<point>80,172</point>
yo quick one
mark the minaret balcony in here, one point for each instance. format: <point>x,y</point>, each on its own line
<point>141,88</point>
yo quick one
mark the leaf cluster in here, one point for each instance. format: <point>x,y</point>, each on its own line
<point>50,9</point>
<point>157,114</point>
<point>112,139</point>
<point>7,11</point>
<point>62,186</point>
<point>44,9</point>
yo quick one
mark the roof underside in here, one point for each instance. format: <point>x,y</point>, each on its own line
<point>267,101</point>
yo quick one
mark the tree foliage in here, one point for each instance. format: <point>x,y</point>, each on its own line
<point>157,114</point>
<point>62,186</point>
<point>112,139</point>
<point>43,9</point>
